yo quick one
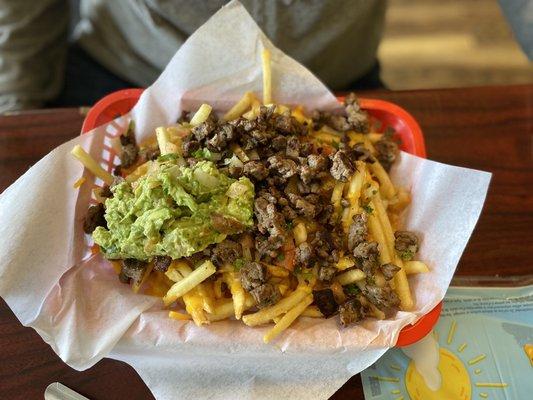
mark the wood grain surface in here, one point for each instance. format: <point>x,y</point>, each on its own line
<point>487,128</point>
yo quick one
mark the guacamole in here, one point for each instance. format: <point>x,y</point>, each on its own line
<point>170,211</point>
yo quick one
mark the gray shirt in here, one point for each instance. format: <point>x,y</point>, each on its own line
<point>335,39</point>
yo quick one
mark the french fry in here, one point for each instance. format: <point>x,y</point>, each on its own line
<point>239,108</point>
<point>385,223</point>
<point>204,291</point>
<point>385,185</point>
<point>351,276</point>
<point>140,171</point>
<point>177,290</point>
<point>377,232</point>
<point>277,271</point>
<point>201,115</point>
<point>166,146</point>
<point>79,182</point>
<point>345,262</point>
<point>226,310</point>
<point>288,318</point>
<point>194,306</point>
<point>415,267</point>
<point>376,312</point>
<point>312,312</point>
<point>217,288</point>
<point>182,267</point>
<point>266,314</point>
<point>300,233</point>
<point>336,197</point>
<point>374,137</point>
<point>136,286</point>
<point>237,293</point>
<point>178,316</point>
<point>267,76</point>
<point>338,293</point>
<point>400,282</point>
<point>91,164</point>
<point>247,244</point>
<point>283,288</point>
<point>239,152</point>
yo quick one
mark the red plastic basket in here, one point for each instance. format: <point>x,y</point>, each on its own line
<point>388,114</point>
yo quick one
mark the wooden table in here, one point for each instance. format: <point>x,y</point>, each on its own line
<point>489,128</point>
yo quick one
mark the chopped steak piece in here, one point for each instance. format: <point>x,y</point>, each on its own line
<point>306,174</point>
<point>304,253</point>
<point>106,192</point>
<point>226,252</point>
<point>406,243</point>
<point>255,170</point>
<point>133,269</point>
<point>304,188</point>
<point>389,270</point>
<point>288,125</point>
<point>265,295</point>
<point>129,155</point>
<point>253,274</point>
<point>358,231</point>
<point>189,147</point>
<point>235,171</point>
<point>317,162</point>
<point>338,122</point>
<point>268,246</point>
<point>260,137</point>
<point>224,134</point>
<point>325,301</point>
<point>148,154</point>
<point>366,254</point>
<point>161,263</point>
<point>351,311</point>
<point>326,215</point>
<point>293,147</point>
<point>123,278</point>
<point>341,168</point>
<point>268,219</point>
<point>361,153</point>
<point>387,151</point>
<point>357,118</point>
<point>279,143</point>
<point>326,274</point>
<point>202,131</point>
<point>383,298</point>
<point>283,166</point>
<point>94,218</point>
<point>227,225</point>
<point>302,206</point>
<point>289,213</point>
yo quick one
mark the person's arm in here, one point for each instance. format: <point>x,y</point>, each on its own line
<point>33,43</point>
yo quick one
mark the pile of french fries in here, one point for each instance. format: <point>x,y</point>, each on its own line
<point>205,294</point>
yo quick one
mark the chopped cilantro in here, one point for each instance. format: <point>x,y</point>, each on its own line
<point>307,275</point>
<point>406,255</point>
<point>202,153</point>
<point>239,263</point>
<point>298,270</point>
<point>352,289</point>
<point>367,209</point>
<point>289,225</point>
<point>335,144</point>
<point>167,157</point>
<point>280,257</point>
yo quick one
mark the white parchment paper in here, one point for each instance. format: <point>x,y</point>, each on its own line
<point>78,306</point>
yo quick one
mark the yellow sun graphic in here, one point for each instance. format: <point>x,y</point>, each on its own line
<point>455,380</point>
<point>459,378</point>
